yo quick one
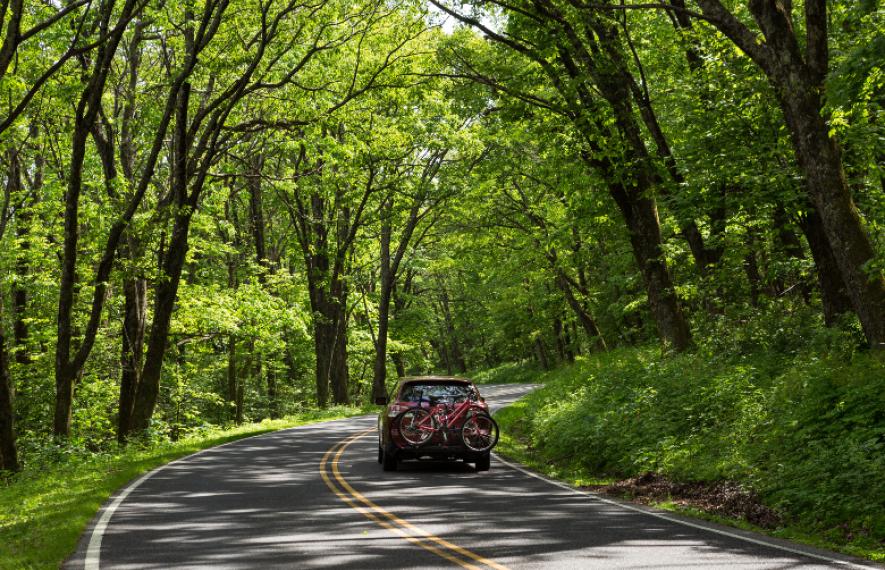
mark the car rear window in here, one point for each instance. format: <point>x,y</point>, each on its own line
<point>434,391</point>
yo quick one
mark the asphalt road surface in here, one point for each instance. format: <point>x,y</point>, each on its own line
<point>315,497</point>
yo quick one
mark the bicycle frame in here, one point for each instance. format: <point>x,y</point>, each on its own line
<point>448,420</point>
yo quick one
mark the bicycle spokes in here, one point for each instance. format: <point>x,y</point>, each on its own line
<point>480,433</point>
<point>415,426</point>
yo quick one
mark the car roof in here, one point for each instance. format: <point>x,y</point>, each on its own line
<point>434,379</point>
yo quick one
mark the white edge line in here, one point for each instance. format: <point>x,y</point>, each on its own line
<point>597,497</point>
<point>92,560</point>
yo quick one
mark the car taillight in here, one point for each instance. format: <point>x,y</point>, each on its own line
<point>396,409</point>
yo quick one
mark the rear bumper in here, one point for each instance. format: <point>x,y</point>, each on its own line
<point>434,451</point>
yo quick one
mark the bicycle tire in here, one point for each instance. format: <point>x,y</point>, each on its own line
<point>480,432</point>
<point>407,423</point>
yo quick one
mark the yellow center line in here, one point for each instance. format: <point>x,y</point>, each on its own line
<point>371,510</point>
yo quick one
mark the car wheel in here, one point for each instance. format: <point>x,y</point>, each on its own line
<point>484,463</point>
<point>388,461</point>
<point>380,454</point>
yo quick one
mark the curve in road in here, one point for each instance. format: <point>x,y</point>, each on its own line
<point>265,502</point>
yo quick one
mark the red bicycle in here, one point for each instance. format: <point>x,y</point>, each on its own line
<point>479,432</point>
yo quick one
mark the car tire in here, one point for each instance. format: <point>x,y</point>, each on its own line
<point>380,454</point>
<point>388,461</point>
<point>484,463</point>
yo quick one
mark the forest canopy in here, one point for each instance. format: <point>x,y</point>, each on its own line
<point>215,212</point>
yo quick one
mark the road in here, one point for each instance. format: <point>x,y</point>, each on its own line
<point>315,497</point>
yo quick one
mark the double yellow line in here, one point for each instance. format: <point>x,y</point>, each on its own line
<point>416,535</point>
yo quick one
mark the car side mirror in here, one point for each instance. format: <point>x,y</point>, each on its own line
<point>381,400</point>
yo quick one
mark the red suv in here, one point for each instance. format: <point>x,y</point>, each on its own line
<point>435,417</point>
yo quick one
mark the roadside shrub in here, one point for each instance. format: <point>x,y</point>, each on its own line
<point>801,422</point>
<point>821,455</point>
<point>508,373</point>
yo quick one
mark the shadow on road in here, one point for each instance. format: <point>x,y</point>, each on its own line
<point>260,503</point>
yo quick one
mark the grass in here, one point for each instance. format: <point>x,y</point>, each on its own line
<point>508,373</point>
<point>861,548</point>
<point>804,429</point>
<point>44,510</point>
<point>514,445</point>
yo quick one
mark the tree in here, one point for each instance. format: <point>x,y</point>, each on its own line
<point>68,367</point>
<point>581,59</point>
<point>797,69</point>
<point>201,133</point>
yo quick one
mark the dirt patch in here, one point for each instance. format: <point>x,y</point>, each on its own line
<point>724,498</point>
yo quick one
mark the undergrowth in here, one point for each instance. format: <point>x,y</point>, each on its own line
<point>800,421</point>
<point>508,373</point>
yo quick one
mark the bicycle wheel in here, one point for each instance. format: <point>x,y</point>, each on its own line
<point>415,426</point>
<point>480,433</point>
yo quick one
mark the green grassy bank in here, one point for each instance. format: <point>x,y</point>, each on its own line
<point>508,373</point>
<point>802,431</point>
<point>45,508</point>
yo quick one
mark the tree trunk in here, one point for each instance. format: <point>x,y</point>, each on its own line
<point>330,343</point>
<point>272,404</point>
<point>328,298</point>
<point>834,298</point>
<point>593,63</point>
<point>340,372</point>
<point>561,348</point>
<point>8,450</point>
<point>65,371</point>
<point>820,160</point>
<point>751,269</point>
<point>442,351</point>
<point>799,80</point>
<point>788,243</point>
<point>455,356</point>
<point>379,378</point>
<point>323,348</point>
<point>19,287</point>
<point>132,351</point>
<point>636,198</point>
<point>232,380</point>
<point>256,209</point>
<point>148,388</point>
<point>564,340</point>
<point>390,267</point>
<point>400,302</point>
<point>636,201</point>
<point>330,346</point>
<point>68,370</point>
<point>240,408</point>
<point>400,364</point>
<point>13,191</point>
<point>641,216</point>
<point>703,256</point>
<point>572,339</point>
<point>586,319</point>
<point>541,353</point>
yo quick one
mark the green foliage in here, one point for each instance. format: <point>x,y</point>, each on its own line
<point>803,427</point>
<point>520,240</point>
<point>508,373</point>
